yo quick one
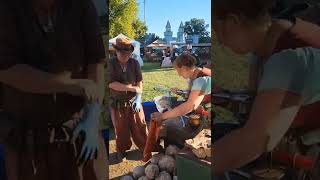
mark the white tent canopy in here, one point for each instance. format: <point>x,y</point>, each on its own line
<point>158,44</point>
<point>136,51</point>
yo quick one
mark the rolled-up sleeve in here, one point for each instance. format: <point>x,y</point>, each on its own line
<point>9,44</point>
<point>287,71</point>
<point>94,47</point>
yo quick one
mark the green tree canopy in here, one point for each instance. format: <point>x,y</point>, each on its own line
<point>140,29</point>
<point>122,15</point>
<point>197,26</point>
<point>123,18</point>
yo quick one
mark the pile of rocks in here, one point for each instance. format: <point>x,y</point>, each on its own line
<point>160,167</point>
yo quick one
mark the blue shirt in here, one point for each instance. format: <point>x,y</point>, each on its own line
<point>202,84</point>
<point>296,71</point>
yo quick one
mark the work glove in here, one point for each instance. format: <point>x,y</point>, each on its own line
<point>88,126</point>
<point>136,103</point>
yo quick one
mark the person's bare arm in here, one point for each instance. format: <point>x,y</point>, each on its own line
<point>29,79</point>
<point>117,86</point>
<point>140,86</point>
<point>244,145</point>
<point>192,103</point>
<point>96,73</point>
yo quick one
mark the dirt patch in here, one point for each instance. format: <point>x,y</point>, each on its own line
<point>118,169</point>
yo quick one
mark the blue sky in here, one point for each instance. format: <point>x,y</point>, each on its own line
<point>158,12</point>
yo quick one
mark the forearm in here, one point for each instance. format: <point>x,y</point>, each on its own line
<point>32,80</point>
<point>140,85</point>
<point>119,86</point>
<point>235,150</point>
<point>96,73</point>
<point>180,110</point>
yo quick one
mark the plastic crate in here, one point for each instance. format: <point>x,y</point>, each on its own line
<point>148,108</point>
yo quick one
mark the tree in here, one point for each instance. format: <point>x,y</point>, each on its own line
<point>148,39</point>
<point>197,26</point>
<point>152,39</point>
<point>140,29</point>
<point>122,15</point>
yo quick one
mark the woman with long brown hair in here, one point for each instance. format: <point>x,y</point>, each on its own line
<point>198,98</point>
<point>284,71</point>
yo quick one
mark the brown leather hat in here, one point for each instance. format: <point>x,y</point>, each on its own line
<point>124,45</point>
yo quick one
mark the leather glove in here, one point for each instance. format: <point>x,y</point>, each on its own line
<point>136,103</point>
<point>88,126</point>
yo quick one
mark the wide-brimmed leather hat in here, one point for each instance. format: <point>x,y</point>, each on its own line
<point>123,44</point>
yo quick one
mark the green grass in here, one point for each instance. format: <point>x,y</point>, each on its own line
<point>154,76</point>
<point>230,72</point>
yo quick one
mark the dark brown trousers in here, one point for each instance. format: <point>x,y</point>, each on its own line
<point>126,121</point>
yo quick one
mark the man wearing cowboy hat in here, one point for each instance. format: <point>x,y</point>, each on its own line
<point>125,84</point>
<point>52,73</point>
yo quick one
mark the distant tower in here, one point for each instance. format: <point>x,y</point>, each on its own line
<point>180,34</point>
<point>168,33</point>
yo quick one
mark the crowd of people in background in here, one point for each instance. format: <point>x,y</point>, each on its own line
<point>171,53</point>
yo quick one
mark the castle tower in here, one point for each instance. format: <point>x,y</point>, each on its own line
<point>180,33</point>
<point>168,33</point>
